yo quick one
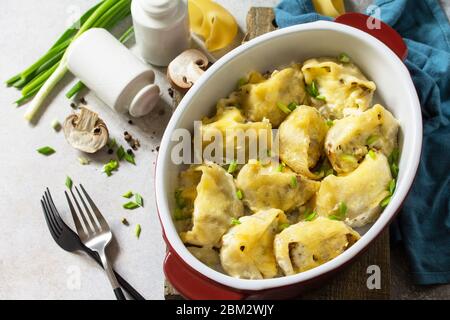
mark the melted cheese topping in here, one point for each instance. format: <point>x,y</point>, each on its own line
<point>266,187</point>
<point>247,250</point>
<point>306,245</point>
<point>208,256</point>
<point>361,190</point>
<point>214,207</point>
<point>350,138</point>
<point>260,99</point>
<point>344,87</point>
<point>213,22</point>
<point>301,140</point>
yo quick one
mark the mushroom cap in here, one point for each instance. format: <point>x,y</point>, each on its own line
<point>86,131</point>
<point>186,68</point>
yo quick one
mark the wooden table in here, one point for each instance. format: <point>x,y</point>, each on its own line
<point>350,283</point>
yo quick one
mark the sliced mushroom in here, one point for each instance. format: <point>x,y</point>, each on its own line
<point>186,68</point>
<point>85,131</point>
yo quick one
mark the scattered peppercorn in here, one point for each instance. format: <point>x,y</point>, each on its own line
<point>73,105</point>
<point>170,92</point>
<point>161,112</point>
<point>83,100</point>
<point>110,151</point>
<point>130,121</point>
<point>124,221</point>
<point>157,148</point>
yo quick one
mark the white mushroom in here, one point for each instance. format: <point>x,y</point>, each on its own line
<point>186,68</point>
<point>85,131</point>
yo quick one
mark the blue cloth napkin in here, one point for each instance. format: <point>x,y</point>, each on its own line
<point>424,223</point>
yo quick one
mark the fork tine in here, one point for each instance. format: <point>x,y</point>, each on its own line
<point>88,212</point>
<point>75,218</point>
<point>54,211</point>
<point>51,208</point>
<point>54,232</point>
<point>97,212</point>
<point>87,222</point>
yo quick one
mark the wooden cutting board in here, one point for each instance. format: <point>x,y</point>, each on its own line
<point>351,282</point>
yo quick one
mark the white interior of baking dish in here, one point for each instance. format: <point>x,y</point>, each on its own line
<point>395,91</point>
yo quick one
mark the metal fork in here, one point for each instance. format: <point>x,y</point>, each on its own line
<point>96,233</point>
<point>69,241</point>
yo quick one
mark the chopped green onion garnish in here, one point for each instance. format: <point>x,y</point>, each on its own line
<point>311,216</point>
<point>46,150</point>
<point>111,166</point>
<point>128,194</point>
<point>130,205</point>
<point>344,58</point>
<point>137,230</point>
<point>239,194</point>
<point>394,170</point>
<point>334,217</point>
<point>281,167</point>
<point>372,139</point>
<point>372,154</point>
<point>69,182</point>
<point>232,167</point>
<point>321,97</point>
<point>312,89</point>
<point>330,123</point>
<point>120,153</point>
<point>394,156</point>
<point>342,209</point>
<point>385,202</point>
<point>294,182</point>
<point>283,226</point>
<point>349,158</point>
<point>241,82</point>
<point>391,187</point>
<point>283,107</point>
<point>235,222</point>
<point>179,215</point>
<point>292,106</point>
<point>56,125</point>
<point>112,143</point>
<point>139,200</point>
<point>179,199</point>
<point>129,158</point>
<point>83,160</point>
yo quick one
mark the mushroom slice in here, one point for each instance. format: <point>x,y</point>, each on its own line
<point>186,68</point>
<point>85,131</point>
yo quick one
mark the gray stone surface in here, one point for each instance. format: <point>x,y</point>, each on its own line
<point>32,266</point>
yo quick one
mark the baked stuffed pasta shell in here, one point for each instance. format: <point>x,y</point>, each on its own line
<point>306,245</point>
<point>274,186</point>
<point>360,192</point>
<point>238,136</point>
<point>260,99</point>
<point>247,249</point>
<point>301,138</point>
<point>215,205</point>
<point>350,138</point>
<point>341,88</point>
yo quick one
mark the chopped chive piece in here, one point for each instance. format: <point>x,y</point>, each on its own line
<point>232,167</point>
<point>281,167</point>
<point>349,158</point>
<point>124,221</point>
<point>312,89</point>
<point>311,216</point>
<point>130,158</point>
<point>180,215</point>
<point>372,139</point>
<point>239,194</point>
<point>294,182</point>
<point>241,82</point>
<point>330,123</point>
<point>83,160</point>
<point>292,106</point>
<point>394,156</point>
<point>283,226</point>
<point>137,230</point>
<point>46,151</point>
<point>128,194</point>
<point>235,221</point>
<point>344,58</point>
<point>283,107</point>
<point>391,187</point>
<point>120,153</point>
<point>112,143</point>
<point>139,200</point>
<point>111,166</point>
<point>385,202</point>
<point>372,154</point>
<point>321,97</point>
<point>334,217</point>
<point>130,205</point>
<point>394,170</point>
<point>56,125</point>
<point>179,199</point>
<point>69,182</point>
<point>342,209</point>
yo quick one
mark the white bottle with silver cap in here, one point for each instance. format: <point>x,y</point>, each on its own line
<point>116,76</point>
<point>161,29</point>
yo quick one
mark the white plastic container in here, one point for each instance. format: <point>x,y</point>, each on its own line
<point>161,29</point>
<point>116,76</point>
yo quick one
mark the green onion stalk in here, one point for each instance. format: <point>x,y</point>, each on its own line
<point>39,79</point>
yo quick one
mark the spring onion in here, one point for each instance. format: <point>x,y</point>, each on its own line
<point>239,194</point>
<point>130,205</point>
<point>129,158</point>
<point>283,226</point>
<point>309,216</point>
<point>391,187</point>
<point>83,161</point>
<point>128,194</point>
<point>111,166</point>
<point>179,214</point>
<point>294,182</point>
<point>242,82</point>
<point>372,154</point>
<point>292,106</point>
<point>56,125</point>
<point>312,89</point>
<point>283,107</point>
<point>321,97</point>
<point>372,139</point>
<point>342,211</point>
<point>137,230</point>
<point>69,182</point>
<point>349,158</point>
<point>235,222</point>
<point>139,200</point>
<point>232,167</point>
<point>46,151</point>
<point>344,58</point>
<point>120,153</point>
<point>179,200</point>
<point>281,167</point>
<point>385,202</point>
<point>329,123</point>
